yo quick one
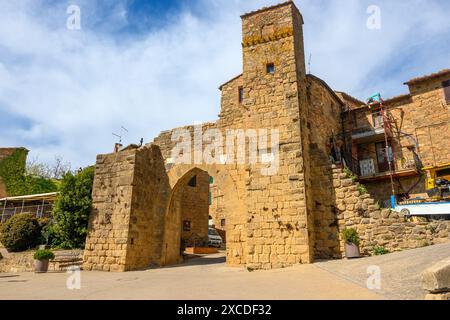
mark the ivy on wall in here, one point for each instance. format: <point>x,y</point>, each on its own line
<point>12,173</point>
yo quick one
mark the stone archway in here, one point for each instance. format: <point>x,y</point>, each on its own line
<point>134,223</point>
<point>228,194</point>
<point>187,215</point>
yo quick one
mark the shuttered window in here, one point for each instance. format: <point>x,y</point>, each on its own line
<point>446,85</point>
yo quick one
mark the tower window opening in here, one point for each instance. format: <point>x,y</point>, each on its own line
<point>193,182</point>
<point>241,95</point>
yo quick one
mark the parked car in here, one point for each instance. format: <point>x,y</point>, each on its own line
<point>214,239</point>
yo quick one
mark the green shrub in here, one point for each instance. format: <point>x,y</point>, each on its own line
<point>72,209</point>
<point>378,251</point>
<point>20,233</point>
<point>349,174</point>
<point>362,189</point>
<point>43,254</point>
<point>351,236</point>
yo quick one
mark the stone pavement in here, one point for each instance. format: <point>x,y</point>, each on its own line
<point>209,278</point>
<point>203,278</point>
<point>400,271</point>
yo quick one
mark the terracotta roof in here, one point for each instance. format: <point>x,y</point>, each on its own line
<point>238,76</point>
<point>428,77</point>
<point>268,8</point>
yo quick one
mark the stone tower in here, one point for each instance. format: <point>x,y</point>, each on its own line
<point>268,215</point>
<point>274,87</point>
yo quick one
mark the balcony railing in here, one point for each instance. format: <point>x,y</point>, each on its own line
<point>369,133</point>
<point>39,211</point>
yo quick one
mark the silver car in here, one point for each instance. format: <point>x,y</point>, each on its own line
<point>214,239</point>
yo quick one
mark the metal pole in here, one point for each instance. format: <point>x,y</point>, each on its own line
<point>387,147</point>
<point>23,203</point>
<point>4,209</point>
<point>42,209</point>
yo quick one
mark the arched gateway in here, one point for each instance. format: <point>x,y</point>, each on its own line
<point>139,207</point>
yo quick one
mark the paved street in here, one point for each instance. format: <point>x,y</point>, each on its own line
<point>208,278</point>
<point>400,271</point>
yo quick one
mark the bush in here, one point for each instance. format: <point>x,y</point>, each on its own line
<point>72,209</point>
<point>362,189</point>
<point>43,254</point>
<point>351,236</point>
<point>20,233</point>
<point>378,251</point>
<point>349,174</point>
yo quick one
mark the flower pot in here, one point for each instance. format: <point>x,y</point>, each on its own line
<point>351,250</point>
<point>41,266</point>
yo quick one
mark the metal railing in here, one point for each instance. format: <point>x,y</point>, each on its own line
<point>39,211</point>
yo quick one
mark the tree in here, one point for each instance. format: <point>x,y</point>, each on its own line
<point>72,209</point>
<point>55,170</point>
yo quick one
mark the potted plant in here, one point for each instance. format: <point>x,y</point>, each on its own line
<point>351,239</point>
<point>41,259</point>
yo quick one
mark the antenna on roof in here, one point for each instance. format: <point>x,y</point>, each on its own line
<point>116,135</point>
<point>118,145</point>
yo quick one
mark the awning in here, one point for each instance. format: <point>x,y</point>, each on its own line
<point>33,197</point>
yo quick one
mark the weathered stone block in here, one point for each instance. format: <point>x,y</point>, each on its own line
<point>437,278</point>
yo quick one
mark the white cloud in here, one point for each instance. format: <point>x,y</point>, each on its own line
<point>74,88</point>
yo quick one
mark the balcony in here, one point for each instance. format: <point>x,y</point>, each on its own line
<point>369,134</point>
<point>368,170</point>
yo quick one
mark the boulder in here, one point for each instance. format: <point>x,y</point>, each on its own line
<point>436,279</point>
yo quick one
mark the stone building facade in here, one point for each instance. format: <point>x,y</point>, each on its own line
<point>146,202</point>
<point>420,130</point>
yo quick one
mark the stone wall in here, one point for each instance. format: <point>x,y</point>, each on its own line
<point>381,227</point>
<point>150,194</point>
<point>325,125</point>
<point>126,226</point>
<point>194,203</point>
<point>24,261</point>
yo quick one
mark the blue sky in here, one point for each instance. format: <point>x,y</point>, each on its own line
<point>155,65</point>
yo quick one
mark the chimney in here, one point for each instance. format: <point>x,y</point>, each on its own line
<point>117,147</point>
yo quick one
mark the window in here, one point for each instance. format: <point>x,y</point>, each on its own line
<point>241,95</point>
<point>377,119</point>
<point>193,182</point>
<point>446,85</point>
<point>186,225</point>
<point>270,67</point>
<point>222,222</point>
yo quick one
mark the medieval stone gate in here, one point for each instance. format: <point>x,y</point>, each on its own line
<point>290,216</point>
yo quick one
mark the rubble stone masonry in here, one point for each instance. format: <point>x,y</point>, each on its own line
<point>379,227</point>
